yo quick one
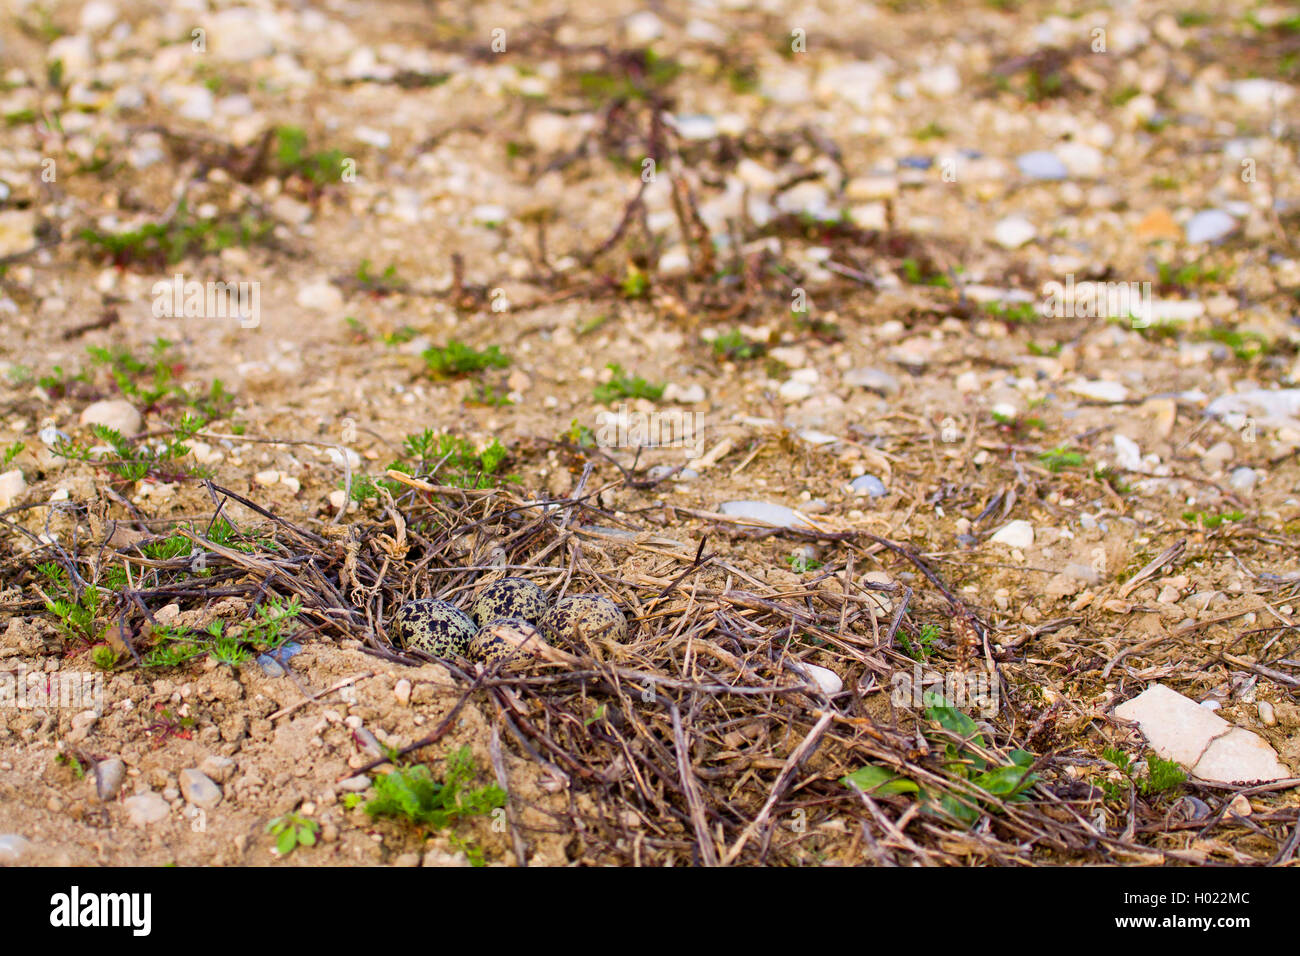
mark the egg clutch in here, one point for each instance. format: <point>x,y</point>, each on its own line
<point>509,618</point>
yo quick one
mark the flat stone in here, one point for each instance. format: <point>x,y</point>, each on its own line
<point>113,413</point>
<point>145,808</point>
<point>1179,729</point>
<point>199,789</point>
<point>320,297</point>
<point>766,513</point>
<point>1127,453</point>
<point>1042,164</point>
<point>872,379</point>
<point>1013,232</point>
<point>14,848</point>
<point>12,485</point>
<point>217,767</point>
<point>795,391</point>
<point>1274,408</point>
<point>1017,534</point>
<point>1156,225</point>
<point>17,231</point>
<point>1209,225</point>
<point>1100,391</point>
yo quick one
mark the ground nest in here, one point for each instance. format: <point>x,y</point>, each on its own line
<point>715,733</point>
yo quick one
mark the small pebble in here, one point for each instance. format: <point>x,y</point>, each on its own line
<point>199,789</point>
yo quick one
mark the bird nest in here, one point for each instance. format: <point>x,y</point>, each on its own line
<point>715,734</point>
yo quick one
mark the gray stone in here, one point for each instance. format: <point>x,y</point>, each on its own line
<point>109,775</point>
<point>217,767</point>
<point>1209,225</point>
<point>1042,164</point>
<point>1243,478</point>
<point>200,789</point>
<point>868,485</point>
<point>355,784</point>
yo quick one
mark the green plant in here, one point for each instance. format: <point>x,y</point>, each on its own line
<point>292,155</point>
<point>75,607</point>
<point>488,395</point>
<point>1162,776</point>
<point>269,630</point>
<point>13,451</point>
<point>623,386</point>
<point>801,564</point>
<point>151,382</point>
<point>1212,521</point>
<point>157,244</point>
<point>457,359</point>
<point>1190,274</point>
<point>71,762</point>
<point>1114,478</point>
<point>399,337</point>
<point>976,784</point>
<point>1245,345</point>
<point>292,831</point>
<point>1059,458</point>
<point>579,435</point>
<point>133,460</point>
<point>1019,313</point>
<point>385,283</point>
<point>413,793</point>
<point>924,646</point>
<point>931,130</point>
<point>445,458</point>
<point>735,347</point>
<point>915,274</point>
<point>103,657</point>
<point>635,284</point>
<point>594,323</point>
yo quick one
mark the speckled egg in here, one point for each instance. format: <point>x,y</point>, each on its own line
<point>505,639</point>
<point>597,616</point>
<point>509,597</point>
<point>436,627</point>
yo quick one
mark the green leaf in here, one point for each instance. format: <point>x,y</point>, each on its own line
<point>1002,782</point>
<point>286,842</point>
<point>1022,758</point>
<point>950,718</point>
<point>957,808</point>
<point>879,781</point>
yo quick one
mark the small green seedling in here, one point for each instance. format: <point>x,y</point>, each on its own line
<point>413,793</point>
<point>624,386</point>
<point>292,831</point>
<point>456,359</point>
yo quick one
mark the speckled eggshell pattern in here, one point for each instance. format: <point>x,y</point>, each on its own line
<point>491,646</point>
<point>510,597</point>
<point>436,627</point>
<point>597,616</point>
